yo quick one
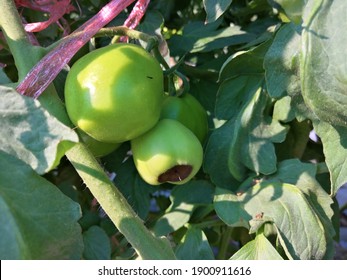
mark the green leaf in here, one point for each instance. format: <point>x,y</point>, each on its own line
<point>200,37</point>
<point>152,23</point>
<point>234,93</point>
<point>323,63</point>
<point>184,199</point>
<point>137,192</point>
<point>254,135</point>
<point>194,246</point>
<point>30,133</point>
<point>97,245</point>
<point>216,157</point>
<point>3,77</point>
<point>303,176</point>
<point>334,140</point>
<point>37,220</point>
<point>281,63</point>
<point>283,111</point>
<point>298,224</point>
<point>245,62</point>
<point>292,8</point>
<point>215,8</point>
<point>258,249</point>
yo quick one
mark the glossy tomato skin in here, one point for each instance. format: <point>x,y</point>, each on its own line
<point>169,152</point>
<point>98,149</point>
<point>187,110</point>
<point>115,93</point>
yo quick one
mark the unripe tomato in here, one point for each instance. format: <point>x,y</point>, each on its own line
<point>187,110</point>
<point>169,152</point>
<point>115,93</point>
<point>98,149</point>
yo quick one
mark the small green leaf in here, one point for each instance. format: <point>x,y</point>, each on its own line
<point>185,198</point>
<point>323,64</point>
<point>245,62</point>
<point>258,249</point>
<point>97,244</point>
<point>137,191</point>
<point>152,23</point>
<point>194,246</point>
<point>3,77</point>
<point>283,111</point>
<point>292,8</point>
<point>37,220</point>
<point>334,139</point>
<point>30,133</point>
<point>281,63</point>
<point>215,8</point>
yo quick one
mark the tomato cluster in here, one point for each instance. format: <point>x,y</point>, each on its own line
<point>116,94</point>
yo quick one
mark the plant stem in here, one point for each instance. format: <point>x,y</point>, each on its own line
<point>224,244</point>
<point>110,32</point>
<point>17,39</point>
<point>117,208</point>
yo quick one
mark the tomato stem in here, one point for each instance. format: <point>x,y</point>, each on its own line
<point>17,39</point>
<point>116,207</point>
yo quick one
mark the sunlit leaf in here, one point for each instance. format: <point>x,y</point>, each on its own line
<point>299,225</point>
<point>31,133</point>
<point>258,249</point>
<point>323,64</point>
<point>194,246</point>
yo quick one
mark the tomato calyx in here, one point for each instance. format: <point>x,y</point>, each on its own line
<point>176,173</point>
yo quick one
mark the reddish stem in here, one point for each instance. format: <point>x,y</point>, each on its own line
<point>136,14</point>
<point>41,75</point>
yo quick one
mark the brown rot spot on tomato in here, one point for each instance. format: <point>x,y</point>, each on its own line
<point>175,174</point>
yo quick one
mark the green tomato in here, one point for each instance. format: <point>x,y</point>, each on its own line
<point>169,152</point>
<point>98,149</point>
<point>115,93</point>
<point>187,110</point>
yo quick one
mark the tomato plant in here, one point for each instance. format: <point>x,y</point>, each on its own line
<point>268,83</point>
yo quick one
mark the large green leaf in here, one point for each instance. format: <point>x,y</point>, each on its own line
<point>334,139</point>
<point>281,63</point>
<point>215,8</point>
<point>37,220</point>
<point>201,37</point>
<point>194,246</point>
<point>185,198</point>
<point>323,60</point>
<point>258,249</point>
<point>301,231</point>
<point>254,134</point>
<point>30,133</point>
<point>302,175</point>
